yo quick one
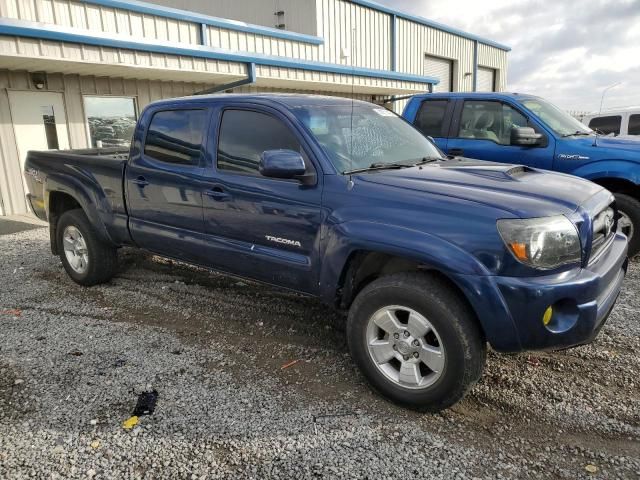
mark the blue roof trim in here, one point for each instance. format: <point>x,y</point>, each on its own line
<point>174,13</point>
<point>64,34</point>
<point>430,23</point>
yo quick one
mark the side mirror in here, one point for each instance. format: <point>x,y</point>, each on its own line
<point>526,137</point>
<point>283,164</point>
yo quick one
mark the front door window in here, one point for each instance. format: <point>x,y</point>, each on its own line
<point>488,120</point>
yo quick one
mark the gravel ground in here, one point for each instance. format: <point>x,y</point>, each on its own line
<point>73,361</point>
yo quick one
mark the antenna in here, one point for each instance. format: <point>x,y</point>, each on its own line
<point>353,81</point>
<point>595,140</point>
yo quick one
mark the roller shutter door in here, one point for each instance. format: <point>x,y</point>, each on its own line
<point>486,80</point>
<point>440,68</point>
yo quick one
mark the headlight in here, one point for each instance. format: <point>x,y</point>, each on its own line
<point>542,243</point>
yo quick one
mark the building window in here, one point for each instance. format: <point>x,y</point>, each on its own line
<point>634,125</point>
<point>606,125</point>
<point>244,135</point>
<point>175,136</point>
<point>111,120</point>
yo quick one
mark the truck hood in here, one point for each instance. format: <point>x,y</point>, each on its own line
<point>522,191</point>
<point>626,148</point>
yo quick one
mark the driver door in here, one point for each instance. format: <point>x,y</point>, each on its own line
<point>269,227</point>
<point>484,133</point>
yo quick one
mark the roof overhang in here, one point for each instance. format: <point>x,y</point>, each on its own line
<point>54,33</point>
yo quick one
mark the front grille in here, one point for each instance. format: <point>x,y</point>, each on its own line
<point>604,226</point>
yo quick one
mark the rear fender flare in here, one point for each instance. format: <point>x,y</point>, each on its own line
<point>90,198</point>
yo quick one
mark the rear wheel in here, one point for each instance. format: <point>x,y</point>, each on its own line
<point>629,221</point>
<point>416,341</point>
<point>85,257</point>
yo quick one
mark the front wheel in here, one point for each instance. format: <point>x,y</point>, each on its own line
<point>629,221</point>
<point>416,340</point>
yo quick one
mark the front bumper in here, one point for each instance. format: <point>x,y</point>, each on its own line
<point>581,300</point>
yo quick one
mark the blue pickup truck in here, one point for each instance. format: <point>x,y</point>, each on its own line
<point>432,257</point>
<point>527,130</point>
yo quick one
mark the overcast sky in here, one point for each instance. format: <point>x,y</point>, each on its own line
<point>567,51</point>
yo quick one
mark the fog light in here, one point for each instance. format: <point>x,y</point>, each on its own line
<point>561,316</point>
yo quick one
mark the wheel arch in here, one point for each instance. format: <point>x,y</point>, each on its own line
<point>62,197</point>
<point>618,185</point>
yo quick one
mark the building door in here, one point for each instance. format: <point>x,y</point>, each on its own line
<point>39,122</point>
<point>441,68</point>
<point>486,80</point>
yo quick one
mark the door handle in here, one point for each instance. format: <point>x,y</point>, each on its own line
<point>141,181</point>
<point>456,151</point>
<point>217,193</point>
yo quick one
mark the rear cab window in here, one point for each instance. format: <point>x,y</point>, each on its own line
<point>431,118</point>
<point>634,124</point>
<point>175,136</point>
<point>606,125</point>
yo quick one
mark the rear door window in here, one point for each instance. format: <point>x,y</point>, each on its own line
<point>634,124</point>
<point>431,116</point>
<point>606,125</point>
<point>175,136</point>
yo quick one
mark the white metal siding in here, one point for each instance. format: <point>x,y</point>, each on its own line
<point>255,43</point>
<point>495,58</point>
<point>415,40</point>
<point>486,79</point>
<point>101,19</point>
<point>299,15</point>
<point>363,32</point>
<point>19,53</point>
<point>441,68</point>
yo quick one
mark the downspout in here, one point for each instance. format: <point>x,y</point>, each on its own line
<point>393,62</point>
<point>475,66</point>
<point>251,78</point>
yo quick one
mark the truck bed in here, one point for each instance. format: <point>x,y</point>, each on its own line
<point>93,175</point>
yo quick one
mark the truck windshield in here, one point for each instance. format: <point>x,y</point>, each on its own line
<point>363,137</point>
<point>560,122</point>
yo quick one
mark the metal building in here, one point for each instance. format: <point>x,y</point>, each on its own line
<point>75,74</point>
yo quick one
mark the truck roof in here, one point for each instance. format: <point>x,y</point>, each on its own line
<point>287,99</point>
<point>480,95</point>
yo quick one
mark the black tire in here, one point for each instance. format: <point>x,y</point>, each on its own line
<point>102,257</point>
<point>631,207</point>
<point>456,324</point>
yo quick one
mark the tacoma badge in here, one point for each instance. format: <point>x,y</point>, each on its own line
<point>284,241</point>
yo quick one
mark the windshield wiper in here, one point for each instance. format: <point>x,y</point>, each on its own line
<point>576,133</point>
<point>393,165</point>
<point>378,166</point>
<point>429,160</point>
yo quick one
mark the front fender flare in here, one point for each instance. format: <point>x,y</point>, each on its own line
<point>463,269</point>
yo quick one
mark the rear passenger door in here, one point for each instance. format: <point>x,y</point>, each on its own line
<point>433,120</point>
<point>164,181</point>
<point>482,130</point>
<point>265,228</point>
